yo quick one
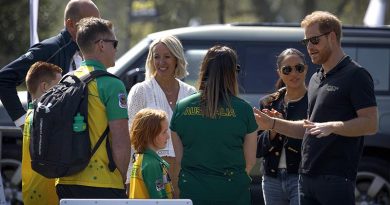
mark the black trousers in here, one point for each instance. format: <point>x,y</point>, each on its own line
<point>326,189</point>
<point>86,192</point>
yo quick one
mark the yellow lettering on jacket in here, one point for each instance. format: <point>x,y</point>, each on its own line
<point>221,112</point>
<point>192,111</point>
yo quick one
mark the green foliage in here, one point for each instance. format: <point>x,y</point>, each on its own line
<point>12,37</point>
<point>15,26</point>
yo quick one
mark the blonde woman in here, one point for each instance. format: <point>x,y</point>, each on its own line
<point>162,88</point>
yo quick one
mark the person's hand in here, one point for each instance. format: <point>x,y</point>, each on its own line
<point>263,119</point>
<point>322,129</point>
<point>273,113</point>
<point>276,114</point>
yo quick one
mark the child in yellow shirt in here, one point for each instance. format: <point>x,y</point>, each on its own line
<point>37,189</point>
<point>149,177</point>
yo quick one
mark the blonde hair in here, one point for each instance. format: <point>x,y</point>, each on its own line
<point>175,47</point>
<point>327,22</point>
<point>146,127</point>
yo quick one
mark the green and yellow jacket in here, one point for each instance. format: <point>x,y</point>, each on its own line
<point>149,177</point>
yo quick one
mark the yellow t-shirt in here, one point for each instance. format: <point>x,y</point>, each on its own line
<point>105,103</point>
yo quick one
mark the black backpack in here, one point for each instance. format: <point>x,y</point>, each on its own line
<point>60,144</point>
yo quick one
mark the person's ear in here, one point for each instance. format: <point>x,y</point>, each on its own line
<point>333,36</point>
<point>68,23</point>
<point>71,27</point>
<point>40,89</point>
<point>44,86</point>
<point>100,45</point>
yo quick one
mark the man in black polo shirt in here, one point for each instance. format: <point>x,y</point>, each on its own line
<point>342,109</point>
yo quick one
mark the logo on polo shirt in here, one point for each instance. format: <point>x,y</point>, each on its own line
<point>122,100</point>
<point>332,88</point>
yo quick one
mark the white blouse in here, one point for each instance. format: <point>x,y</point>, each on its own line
<point>148,94</point>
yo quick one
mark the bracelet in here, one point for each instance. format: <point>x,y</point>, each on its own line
<point>273,124</point>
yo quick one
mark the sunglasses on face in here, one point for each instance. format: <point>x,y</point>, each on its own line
<point>288,69</point>
<point>238,69</point>
<point>114,42</point>
<point>314,40</point>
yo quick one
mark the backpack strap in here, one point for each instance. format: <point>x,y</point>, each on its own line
<point>95,74</point>
<point>101,138</point>
<point>87,77</point>
<point>111,163</point>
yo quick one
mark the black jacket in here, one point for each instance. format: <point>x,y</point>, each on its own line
<point>271,150</point>
<point>58,50</point>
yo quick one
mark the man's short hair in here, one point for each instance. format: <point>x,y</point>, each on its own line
<point>327,22</point>
<point>89,30</point>
<point>41,72</point>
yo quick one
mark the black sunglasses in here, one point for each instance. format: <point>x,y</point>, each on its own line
<point>114,42</point>
<point>238,69</point>
<point>288,69</point>
<point>314,40</point>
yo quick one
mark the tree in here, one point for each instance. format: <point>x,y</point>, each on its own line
<point>12,37</point>
<point>15,36</point>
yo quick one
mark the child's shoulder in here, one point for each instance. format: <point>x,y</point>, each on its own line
<point>150,158</point>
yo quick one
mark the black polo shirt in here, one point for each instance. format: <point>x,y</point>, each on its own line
<point>336,96</point>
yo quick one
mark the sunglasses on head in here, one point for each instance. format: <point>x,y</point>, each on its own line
<point>314,40</point>
<point>114,42</point>
<point>288,69</point>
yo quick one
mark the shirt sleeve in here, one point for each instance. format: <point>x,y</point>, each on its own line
<point>15,73</point>
<point>113,95</point>
<point>153,179</point>
<point>264,144</point>
<point>362,93</point>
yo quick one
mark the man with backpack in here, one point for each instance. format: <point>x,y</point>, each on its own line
<point>106,107</point>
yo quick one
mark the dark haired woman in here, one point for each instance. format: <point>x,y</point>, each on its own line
<point>282,154</point>
<point>214,135</point>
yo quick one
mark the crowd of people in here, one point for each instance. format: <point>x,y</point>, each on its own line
<point>171,140</point>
